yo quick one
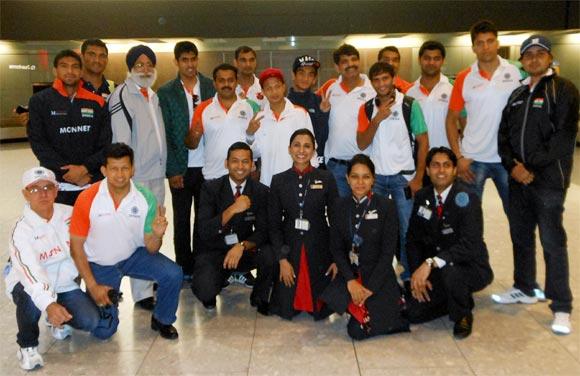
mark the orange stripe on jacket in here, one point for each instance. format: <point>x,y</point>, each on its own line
<point>456,102</point>
<point>197,120</point>
<point>363,120</point>
<point>324,88</point>
<point>80,221</point>
<point>81,93</point>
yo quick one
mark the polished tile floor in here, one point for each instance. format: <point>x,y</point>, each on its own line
<point>507,340</point>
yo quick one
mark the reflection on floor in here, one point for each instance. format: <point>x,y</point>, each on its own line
<point>235,340</point>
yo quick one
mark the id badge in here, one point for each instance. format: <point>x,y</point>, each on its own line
<point>357,240</point>
<point>231,239</point>
<point>302,224</point>
<point>372,215</point>
<point>447,231</point>
<point>353,257</point>
<point>424,212</point>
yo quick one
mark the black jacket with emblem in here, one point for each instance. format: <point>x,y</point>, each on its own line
<point>287,241</point>
<point>250,225</point>
<point>538,128</point>
<point>456,238</point>
<point>62,131</point>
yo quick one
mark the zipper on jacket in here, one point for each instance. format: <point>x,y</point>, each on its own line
<point>561,174</point>
<point>522,149</point>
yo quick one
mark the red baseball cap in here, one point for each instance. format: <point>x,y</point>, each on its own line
<point>269,73</point>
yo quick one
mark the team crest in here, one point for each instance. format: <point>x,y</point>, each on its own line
<point>242,113</point>
<point>395,113</point>
<point>444,96</point>
<point>462,199</point>
<point>134,210</point>
<point>507,76</point>
<point>363,95</point>
<point>38,173</point>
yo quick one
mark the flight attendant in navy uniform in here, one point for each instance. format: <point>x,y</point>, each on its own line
<point>298,202</point>
<point>363,241</point>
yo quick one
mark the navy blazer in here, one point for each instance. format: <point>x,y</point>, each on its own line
<point>251,225</point>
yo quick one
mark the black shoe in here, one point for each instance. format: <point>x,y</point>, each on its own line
<point>166,331</point>
<point>147,304</point>
<point>263,308</point>
<point>462,328</point>
<point>209,305</point>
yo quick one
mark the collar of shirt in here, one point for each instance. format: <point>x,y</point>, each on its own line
<point>195,88</point>
<point>308,169</point>
<point>443,194</point>
<point>104,190</point>
<point>288,106</point>
<point>33,216</point>
<point>233,184</point>
<point>103,89</point>
<point>367,197</point>
<point>442,80</point>
<point>482,74</point>
<point>527,80</point>
<point>366,83</point>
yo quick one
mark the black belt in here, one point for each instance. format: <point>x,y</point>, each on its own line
<point>339,161</point>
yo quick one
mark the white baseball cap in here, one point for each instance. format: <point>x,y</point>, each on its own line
<point>36,174</point>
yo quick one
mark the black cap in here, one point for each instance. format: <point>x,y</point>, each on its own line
<point>305,61</point>
<point>536,40</point>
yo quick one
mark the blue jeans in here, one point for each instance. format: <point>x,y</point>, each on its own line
<point>338,170</point>
<point>151,267</point>
<point>394,186</point>
<point>84,311</point>
<point>499,175</point>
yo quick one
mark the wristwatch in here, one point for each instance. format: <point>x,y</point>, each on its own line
<point>243,244</point>
<point>431,262</point>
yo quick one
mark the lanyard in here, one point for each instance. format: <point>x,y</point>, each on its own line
<point>301,203</point>
<point>354,233</point>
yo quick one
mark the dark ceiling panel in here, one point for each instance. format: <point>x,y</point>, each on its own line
<point>74,19</point>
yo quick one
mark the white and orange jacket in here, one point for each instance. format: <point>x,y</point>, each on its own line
<point>40,256</point>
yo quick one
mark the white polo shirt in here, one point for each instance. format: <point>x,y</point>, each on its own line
<point>273,137</point>
<point>342,122</point>
<point>484,99</point>
<point>391,150</point>
<point>254,92</point>
<point>112,233</point>
<point>221,128</point>
<point>194,157</point>
<point>434,105</point>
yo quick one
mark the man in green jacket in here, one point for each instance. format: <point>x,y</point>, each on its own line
<point>178,99</point>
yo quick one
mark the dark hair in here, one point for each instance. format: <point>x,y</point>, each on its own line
<point>243,50</point>
<point>224,67</point>
<point>380,67</point>
<point>240,146</point>
<point>67,53</point>
<point>441,150</point>
<point>480,27</point>
<point>183,47</point>
<point>360,159</point>
<point>303,132</point>
<point>344,50</point>
<point>93,42</point>
<point>389,48</point>
<point>118,150</point>
<point>432,45</point>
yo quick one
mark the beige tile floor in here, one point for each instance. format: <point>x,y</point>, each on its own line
<point>507,340</point>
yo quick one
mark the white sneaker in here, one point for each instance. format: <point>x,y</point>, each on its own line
<point>539,293</point>
<point>512,296</point>
<point>61,333</point>
<point>561,323</point>
<point>29,358</point>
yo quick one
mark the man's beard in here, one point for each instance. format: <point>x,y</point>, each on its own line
<point>143,79</point>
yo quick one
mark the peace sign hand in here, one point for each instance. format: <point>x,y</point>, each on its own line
<point>254,125</point>
<point>325,102</point>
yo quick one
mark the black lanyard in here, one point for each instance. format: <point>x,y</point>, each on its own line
<point>354,232</point>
